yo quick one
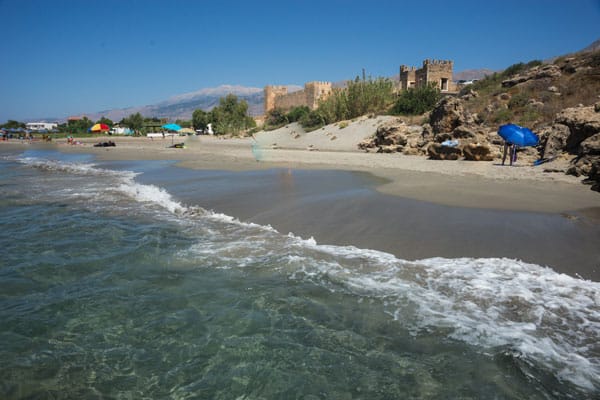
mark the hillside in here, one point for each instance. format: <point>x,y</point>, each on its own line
<point>559,101</point>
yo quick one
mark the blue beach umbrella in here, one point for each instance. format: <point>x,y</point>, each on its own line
<point>518,135</point>
<point>171,127</point>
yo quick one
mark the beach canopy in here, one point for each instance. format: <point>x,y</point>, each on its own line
<point>518,135</point>
<point>187,130</point>
<point>99,128</point>
<point>172,127</point>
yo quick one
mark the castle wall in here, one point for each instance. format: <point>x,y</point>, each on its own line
<point>278,97</point>
<point>291,100</point>
<point>271,93</point>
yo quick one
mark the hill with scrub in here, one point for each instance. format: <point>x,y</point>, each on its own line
<point>559,100</point>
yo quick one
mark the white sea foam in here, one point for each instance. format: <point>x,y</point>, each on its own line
<point>549,318</point>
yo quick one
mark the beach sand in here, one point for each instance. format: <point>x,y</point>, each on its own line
<point>409,206</point>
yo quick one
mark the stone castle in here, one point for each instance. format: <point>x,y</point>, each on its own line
<point>436,71</point>
<point>433,71</point>
<point>278,96</point>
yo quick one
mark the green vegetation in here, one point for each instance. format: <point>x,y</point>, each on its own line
<point>277,118</point>
<point>360,97</point>
<point>200,119</point>
<point>76,127</point>
<point>12,124</point>
<point>415,101</point>
<point>135,122</point>
<point>105,121</point>
<point>229,117</point>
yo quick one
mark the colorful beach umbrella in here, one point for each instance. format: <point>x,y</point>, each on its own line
<point>518,135</point>
<point>171,127</point>
<point>100,128</point>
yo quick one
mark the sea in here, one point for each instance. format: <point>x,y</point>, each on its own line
<point>114,287</point>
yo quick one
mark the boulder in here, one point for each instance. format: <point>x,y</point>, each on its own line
<point>590,146</point>
<point>583,122</point>
<point>582,165</point>
<point>442,137</point>
<point>594,176</point>
<point>477,152</point>
<point>553,140</point>
<point>392,148</point>
<point>438,152</point>
<point>463,132</point>
<point>447,115</point>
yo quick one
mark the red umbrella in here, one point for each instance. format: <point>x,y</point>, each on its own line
<point>100,128</point>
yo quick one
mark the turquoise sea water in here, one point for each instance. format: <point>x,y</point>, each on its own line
<point>113,288</point>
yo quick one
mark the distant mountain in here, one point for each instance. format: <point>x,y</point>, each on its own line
<point>182,106</point>
<point>470,74</point>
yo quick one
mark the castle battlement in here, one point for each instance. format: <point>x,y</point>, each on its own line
<point>437,62</point>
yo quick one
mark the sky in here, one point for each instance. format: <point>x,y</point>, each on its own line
<point>62,58</point>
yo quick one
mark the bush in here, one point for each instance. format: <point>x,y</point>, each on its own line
<point>297,113</point>
<point>416,101</point>
<point>313,120</point>
<point>276,118</point>
<point>360,97</point>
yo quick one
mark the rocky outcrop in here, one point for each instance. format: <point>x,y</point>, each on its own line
<point>590,146</point>
<point>477,152</point>
<point>437,151</point>
<point>582,122</point>
<point>448,114</point>
<point>389,137</point>
<point>594,176</point>
<point>539,72</point>
<point>553,140</point>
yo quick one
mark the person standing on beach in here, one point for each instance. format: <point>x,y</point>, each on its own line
<point>507,146</point>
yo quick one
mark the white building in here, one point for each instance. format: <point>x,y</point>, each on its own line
<point>41,126</point>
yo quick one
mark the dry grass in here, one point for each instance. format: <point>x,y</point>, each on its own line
<point>536,102</point>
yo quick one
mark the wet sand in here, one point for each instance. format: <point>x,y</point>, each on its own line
<point>344,208</point>
<point>409,206</point>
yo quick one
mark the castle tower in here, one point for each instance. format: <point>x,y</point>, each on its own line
<point>439,72</point>
<point>407,77</point>
<point>316,91</point>
<point>271,92</point>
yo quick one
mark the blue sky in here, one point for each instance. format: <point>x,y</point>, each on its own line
<point>64,58</point>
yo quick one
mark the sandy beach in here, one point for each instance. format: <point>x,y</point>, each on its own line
<point>486,185</point>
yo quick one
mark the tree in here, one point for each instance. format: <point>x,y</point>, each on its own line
<point>230,116</point>
<point>12,124</point>
<point>135,122</point>
<point>200,119</point>
<point>184,123</point>
<point>78,126</point>
<point>276,118</point>
<point>105,121</point>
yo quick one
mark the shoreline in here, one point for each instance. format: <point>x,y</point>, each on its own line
<point>388,204</point>
<point>485,185</point>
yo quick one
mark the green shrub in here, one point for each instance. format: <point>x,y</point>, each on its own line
<point>502,115</point>
<point>276,118</point>
<point>296,113</point>
<point>360,97</point>
<point>415,101</point>
<point>517,101</point>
